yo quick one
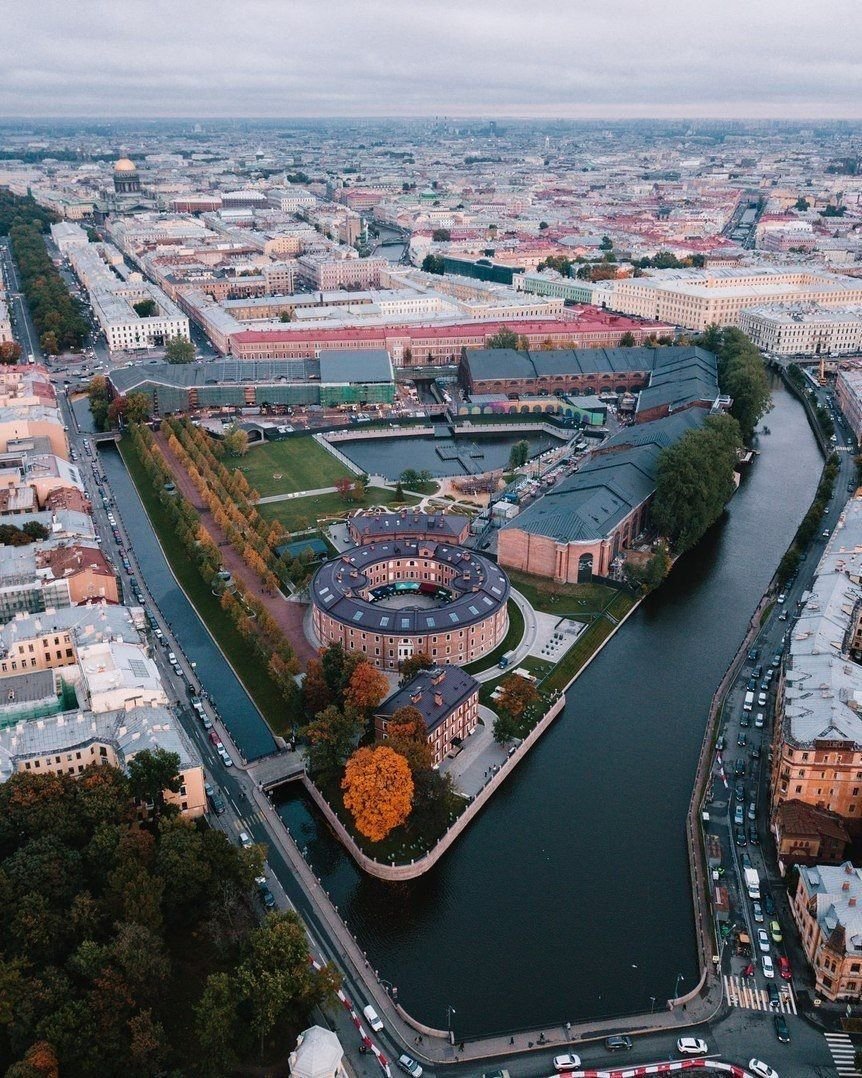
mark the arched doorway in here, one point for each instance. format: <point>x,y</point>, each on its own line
<point>585,568</point>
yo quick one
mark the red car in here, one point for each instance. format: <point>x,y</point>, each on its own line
<point>749,970</point>
<point>784,968</point>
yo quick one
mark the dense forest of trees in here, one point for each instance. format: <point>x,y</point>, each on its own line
<point>137,950</point>
<point>57,316</point>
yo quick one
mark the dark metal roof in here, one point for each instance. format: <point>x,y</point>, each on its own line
<point>340,585</point>
<point>448,682</point>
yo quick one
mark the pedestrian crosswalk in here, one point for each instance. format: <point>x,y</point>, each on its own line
<point>744,992</point>
<point>843,1053</point>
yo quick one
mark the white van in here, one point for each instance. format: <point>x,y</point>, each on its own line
<point>372,1018</point>
<point>748,703</point>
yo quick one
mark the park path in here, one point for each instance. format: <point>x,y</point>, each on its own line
<point>288,615</point>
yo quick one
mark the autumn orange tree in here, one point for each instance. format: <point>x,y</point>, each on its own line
<point>366,688</point>
<point>378,791</point>
<point>516,695</point>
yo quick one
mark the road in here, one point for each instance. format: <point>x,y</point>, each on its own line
<point>22,323</point>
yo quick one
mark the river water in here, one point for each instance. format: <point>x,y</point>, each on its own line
<point>568,897</point>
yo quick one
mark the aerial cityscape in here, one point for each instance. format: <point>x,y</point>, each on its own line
<point>431,523</point>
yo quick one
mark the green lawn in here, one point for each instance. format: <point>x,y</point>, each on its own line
<point>513,637</point>
<point>254,676</point>
<point>300,463</point>
<point>578,601</point>
<point>296,513</point>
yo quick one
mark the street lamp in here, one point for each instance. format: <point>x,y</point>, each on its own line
<point>679,978</point>
<point>450,1010</point>
<point>651,1004</point>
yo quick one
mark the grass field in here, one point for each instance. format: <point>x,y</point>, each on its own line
<point>577,601</point>
<point>589,641</point>
<point>296,513</point>
<point>255,677</point>
<point>301,463</point>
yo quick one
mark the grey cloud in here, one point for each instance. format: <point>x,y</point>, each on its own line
<point>421,57</point>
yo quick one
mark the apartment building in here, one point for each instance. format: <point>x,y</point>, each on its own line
<point>696,299</point>
<point>804,330</point>
<point>848,393</point>
<point>817,742</point>
<point>827,909</point>
<point>446,697</point>
<point>70,741</point>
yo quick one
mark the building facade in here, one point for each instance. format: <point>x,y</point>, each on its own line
<point>827,909</point>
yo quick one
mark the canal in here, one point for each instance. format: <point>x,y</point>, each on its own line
<point>568,898</point>
<point>247,726</point>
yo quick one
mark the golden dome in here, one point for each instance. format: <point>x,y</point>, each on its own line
<point>124,165</point>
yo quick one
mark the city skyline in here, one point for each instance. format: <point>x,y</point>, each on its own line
<point>491,60</point>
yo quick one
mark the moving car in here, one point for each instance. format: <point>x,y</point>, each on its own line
<point>618,1044</point>
<point>774,997</point>
<point>768,968</point>
<point>775,931</point>
<point>784,969</point>
<point>692,1046</point>
<point>763,940</point>
<point>410,1066</point>
<point>782,1030</point>
<point>245,840</point>
<point>758,913</point>
<point>372,1018</point>
<point>568,1062</point>
<point>761,1069</point>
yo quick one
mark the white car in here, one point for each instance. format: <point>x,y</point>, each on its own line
<point>372,1018</point>
<point>768,968</point>
<point>568,1062</point>
<point>692,1046</point>
<point>758,912</point>
<point>761,1069</point>
<point>245,840</point>
<point>225,757</point>
<point>409,1065</point>
<point>763,940</point>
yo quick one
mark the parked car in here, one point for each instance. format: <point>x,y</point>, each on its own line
<point>784,969</point>
<point>692,1046</point>
<point>758,912</point>
<point>618,1044</point>
<point>741,739</point>
<point>410,1066</point>
<point>775,931</point>
<point>739,837</point>
<point>768,903</point>
<point>753,836</point>
<point>782,1030</point>
<point>567,1062</point>
<point>763,940</point>
<point>768,968</point>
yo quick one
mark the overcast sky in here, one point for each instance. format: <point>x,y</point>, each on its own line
<point>798,59</point>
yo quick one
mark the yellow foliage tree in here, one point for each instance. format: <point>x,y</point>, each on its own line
<point>378,791</point>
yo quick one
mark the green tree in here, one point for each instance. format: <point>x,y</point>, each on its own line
<point>235,441</point>
<point>627,340</point>
<point>504,338</point>
<point>332,736</point>
<point>145,308</point>
<point>694,481</point>
<point>277,983</point>
<point>543,225</point>
<point>179,350</point>
<point>216,1026</point>
<point>441,235</point>
<point>519,454</point>
<point>409,667</point>
<point>152,772</point>
<point>433,264</point>
<point>138,407</point>
<point>802,204</point>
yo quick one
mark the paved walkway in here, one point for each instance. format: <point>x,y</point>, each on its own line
<point>480,758</point>
<point>288,615</point>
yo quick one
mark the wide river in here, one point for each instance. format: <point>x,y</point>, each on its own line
<point>568,897</point>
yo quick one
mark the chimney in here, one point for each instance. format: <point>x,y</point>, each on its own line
<point>851,902</point>
<point>438,699</point>
<point>845,886</point>
<point>416,696</point>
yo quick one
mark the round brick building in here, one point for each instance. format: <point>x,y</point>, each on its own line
<point>391,599</point>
